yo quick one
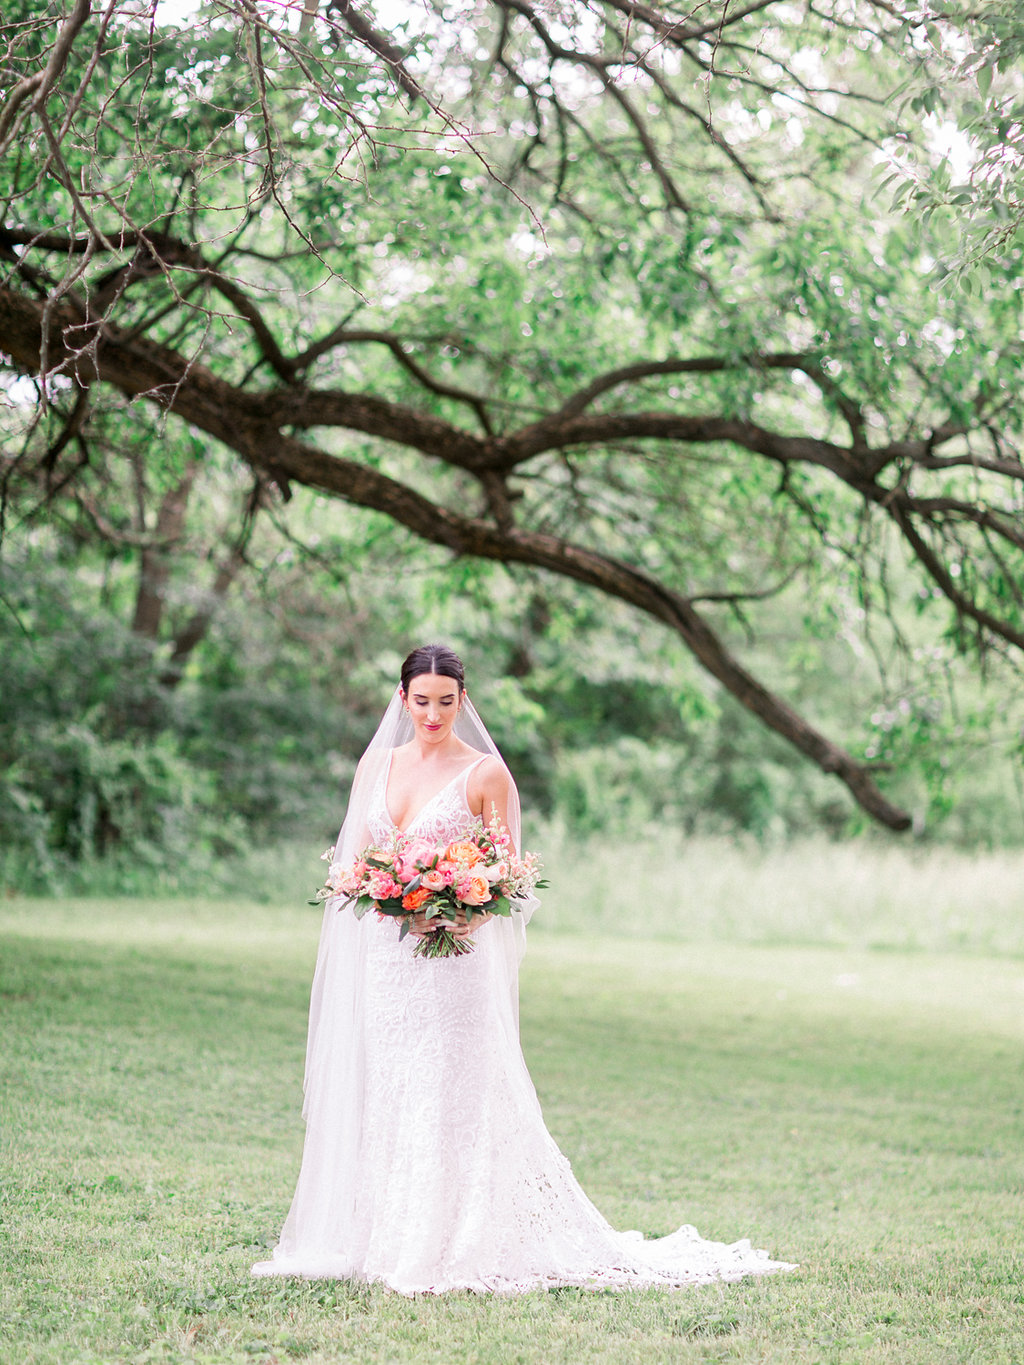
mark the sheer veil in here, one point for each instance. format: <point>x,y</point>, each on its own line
<point>335,1001</point>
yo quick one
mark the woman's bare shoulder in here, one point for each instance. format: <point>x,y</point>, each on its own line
<point>490,775</point>
<point>370,764</point>
<point>492,766</point>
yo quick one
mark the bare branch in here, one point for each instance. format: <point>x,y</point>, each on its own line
<point>676,30</point>
<point>117,535</point>
<point>647,369</point>
<point>38,87</point>
<point>350,336</point>
<point>1011,469</point>
<point>987,517</point>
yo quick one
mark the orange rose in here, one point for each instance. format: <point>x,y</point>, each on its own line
<point>473,889</point>
<point>464,852</point>
<point>416,900</point>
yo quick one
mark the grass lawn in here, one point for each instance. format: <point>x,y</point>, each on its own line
<point>859,1110</point>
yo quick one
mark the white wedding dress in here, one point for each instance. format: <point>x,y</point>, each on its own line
<point>427,1166</point>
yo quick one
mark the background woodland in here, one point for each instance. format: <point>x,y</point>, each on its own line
<point>664,359</point>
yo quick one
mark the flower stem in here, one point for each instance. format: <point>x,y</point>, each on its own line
<point>442,943</point>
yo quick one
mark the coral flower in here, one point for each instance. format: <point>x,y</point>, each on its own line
<point>464,852</point>
<point>416,900</point>
<point>473,889</point>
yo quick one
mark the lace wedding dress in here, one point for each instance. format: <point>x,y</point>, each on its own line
<point>427,1165</point>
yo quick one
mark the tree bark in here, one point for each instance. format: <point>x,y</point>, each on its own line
<point>156,560</point>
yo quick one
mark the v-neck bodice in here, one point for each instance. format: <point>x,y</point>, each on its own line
<point>441,817</point>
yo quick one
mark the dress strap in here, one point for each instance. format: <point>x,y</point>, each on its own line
<point>475,764</point>
<point>463,778</point>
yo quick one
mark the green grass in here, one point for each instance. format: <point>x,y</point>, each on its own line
<point>857,1110</point>
<point>865,893</point>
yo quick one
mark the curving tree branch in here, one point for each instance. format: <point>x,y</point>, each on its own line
<point>255,431</point>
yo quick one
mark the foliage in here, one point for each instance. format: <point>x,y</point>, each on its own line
<point>977,162</point>
<point>592,293</point>
<point>109,780</point>
<point>853,1110</point>
<point>93,771</point>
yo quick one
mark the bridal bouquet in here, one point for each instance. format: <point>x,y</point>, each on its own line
<point>477,874</point>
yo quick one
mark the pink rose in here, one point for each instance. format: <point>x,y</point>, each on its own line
<point>381,886</point>
<point>412,858</point>
<point>433,880</point>
<point>497,873</point>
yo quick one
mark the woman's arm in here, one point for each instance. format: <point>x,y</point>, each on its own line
<point>489,792</point>
<point>358,837</point>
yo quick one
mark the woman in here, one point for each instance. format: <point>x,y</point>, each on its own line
<point>427,1165</point>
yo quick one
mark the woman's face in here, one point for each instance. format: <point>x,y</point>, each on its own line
<point>433,703</point>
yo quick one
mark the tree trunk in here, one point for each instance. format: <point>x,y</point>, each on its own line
<point>156,561</point>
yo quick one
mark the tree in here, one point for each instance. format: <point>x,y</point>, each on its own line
<point>589,288</point>
<point>981,174</point>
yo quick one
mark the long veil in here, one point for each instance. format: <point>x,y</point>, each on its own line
<point>331,1179</point>
<point>338,974</point>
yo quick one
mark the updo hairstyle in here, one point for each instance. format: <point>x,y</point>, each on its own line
<point>437,659</point>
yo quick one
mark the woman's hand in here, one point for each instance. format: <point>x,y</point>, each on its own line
<point>460,929</point>
<point>420,926</point>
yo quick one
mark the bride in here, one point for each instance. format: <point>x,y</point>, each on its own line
<point>427,1166</point>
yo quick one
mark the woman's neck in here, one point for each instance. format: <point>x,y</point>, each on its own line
<point>444,752</point>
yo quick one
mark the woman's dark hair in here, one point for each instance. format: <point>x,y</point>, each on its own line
<point>436,659</point>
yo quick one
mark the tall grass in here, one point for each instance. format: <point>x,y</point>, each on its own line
<point>856,1110</point>
<point>855,894</point>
